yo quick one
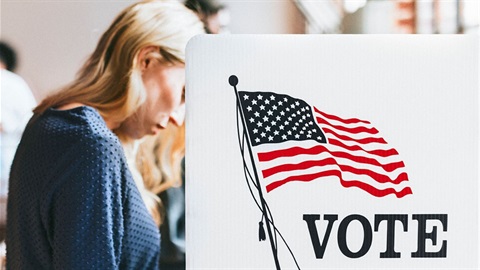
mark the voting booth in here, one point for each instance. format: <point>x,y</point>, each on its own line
<point>332,152</point>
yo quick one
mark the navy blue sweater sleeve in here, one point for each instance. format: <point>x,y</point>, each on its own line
<point>87,229</point>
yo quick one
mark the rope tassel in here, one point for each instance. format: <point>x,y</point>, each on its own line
<point>261,232</point>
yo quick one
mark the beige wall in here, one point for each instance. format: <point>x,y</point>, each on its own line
<point>264,17</point>
<point>54,38</point>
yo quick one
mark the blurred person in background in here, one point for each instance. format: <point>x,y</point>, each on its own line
<point>73,203</point>
<point>209,11</point>
<point>16,105</point>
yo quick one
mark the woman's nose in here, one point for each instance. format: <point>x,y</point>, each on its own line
<point>178,116</point>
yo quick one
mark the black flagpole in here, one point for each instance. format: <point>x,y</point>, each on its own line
<point>233,80</point>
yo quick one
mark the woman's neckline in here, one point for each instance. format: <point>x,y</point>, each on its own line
<point>70,106</point>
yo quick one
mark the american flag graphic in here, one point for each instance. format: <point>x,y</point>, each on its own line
<point>294,141</point>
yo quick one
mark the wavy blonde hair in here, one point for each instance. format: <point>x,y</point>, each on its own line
<point>111,79</point>
<point>159,159</point>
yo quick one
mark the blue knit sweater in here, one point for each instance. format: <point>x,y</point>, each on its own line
<point>72,202</point>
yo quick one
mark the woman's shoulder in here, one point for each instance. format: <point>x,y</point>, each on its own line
<point>81,128</point>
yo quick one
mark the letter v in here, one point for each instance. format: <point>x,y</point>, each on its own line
<point>312,228</point>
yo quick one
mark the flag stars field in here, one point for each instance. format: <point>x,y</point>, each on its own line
<point>294,116</point>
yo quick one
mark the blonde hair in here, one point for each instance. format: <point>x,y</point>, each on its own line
<point>159,159</point>
<point>110,80</point>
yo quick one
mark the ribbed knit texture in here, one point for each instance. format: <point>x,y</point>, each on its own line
<point>72,202</point>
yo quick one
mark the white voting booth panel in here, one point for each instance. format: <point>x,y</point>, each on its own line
<point>339,152</point>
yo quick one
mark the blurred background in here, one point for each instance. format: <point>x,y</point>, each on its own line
<point>53,38</point>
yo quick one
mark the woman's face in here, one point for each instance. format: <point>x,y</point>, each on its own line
<point>164,84</point>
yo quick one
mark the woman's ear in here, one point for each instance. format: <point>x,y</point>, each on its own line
<point>145,56</point>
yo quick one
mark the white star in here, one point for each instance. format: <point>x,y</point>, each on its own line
<point>306,124</point>
<point>289,118</point>
<point>281,127</point>
<point>267,101</point>
<point>254,102</point>
<point>265,119</point>
<point>301,131</point>
<point>269,112</point>
<point>286,123</point>
<point>245,97</point>
<point>297,136</point>
<point>259,96</point>
<point>276,132</point>
<point>255,131</point>
<point>294,128</point>
<point>284,136</point>
<point>262,107</point>
<point>311,123</point>
<point>308,115</point>
<point>314,130</point>
<point>280,103</point>
<point>287,109</point>
<point>257,114</point>
<point>274,107</point>
<point>304,128</point>
<point>249,108</point>
<point>272,97</point>
<point>293,106</point>
<point>270,138</point>
<point>282,113</point>
<point>267,128</point>
<point>257,140</point>
<point>298,112</point>
<point>285,99</point>
<point>289,132</point>
<point>251,120</point>
<point>297,124</point>
<point>259,124</point>
<point>319,138</point>
<point>274,123</point>
<point>309,132</point>
<point>297,103</point>
<point>309,135</point>
<point>263,134</point>
<point>303,109</point>
<point>294,115</point>
<point>300,121</point>
<point>304,117</point>
<point>278,118</point>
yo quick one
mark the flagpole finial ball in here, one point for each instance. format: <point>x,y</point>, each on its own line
<point>233,80</point>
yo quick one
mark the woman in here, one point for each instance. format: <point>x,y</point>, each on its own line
<point>72,201</point>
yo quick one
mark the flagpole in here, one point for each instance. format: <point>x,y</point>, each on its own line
<point>233,81</point>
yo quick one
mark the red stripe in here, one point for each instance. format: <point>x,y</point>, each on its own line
<point>380,178</point>
<point>368,188</point>
<point>299,166</point>
<point>354,130</point>
<point>378,152</point>
<point>366,140</point>
<point>289,152</point>
<point>346,121</point>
